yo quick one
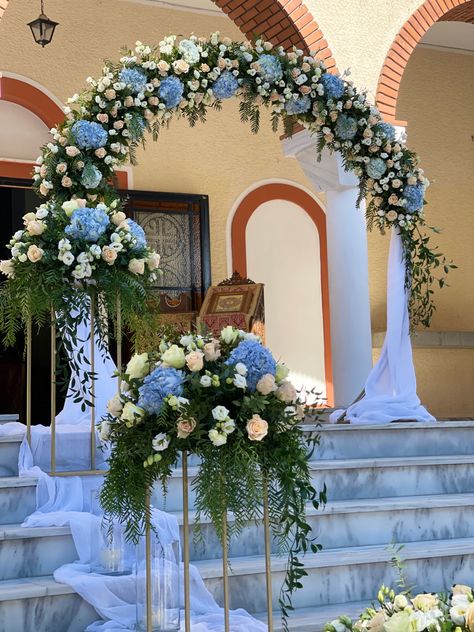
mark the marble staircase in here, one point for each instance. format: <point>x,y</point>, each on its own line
<point>405,483</point>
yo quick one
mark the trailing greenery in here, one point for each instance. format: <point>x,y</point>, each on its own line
<point>227,402</point>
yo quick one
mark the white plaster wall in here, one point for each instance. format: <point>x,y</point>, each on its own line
<point>22,133</point>
<point>283,252</point>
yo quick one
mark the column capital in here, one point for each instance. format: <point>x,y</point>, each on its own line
<point>328,174</point>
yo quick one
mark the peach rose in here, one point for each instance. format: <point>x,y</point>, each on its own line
<point>212,351</point>
<point>36,227</point>
<point>393,199</point>
<point>128,101</point>
<point>102,117</point>
<point>204,68</point>
<point>163,66</point>
<point>195,361</point>
<point>469,617</point>
<point>153,101</point>
<point>180,66</point>
<point>257,428</point>
<point>72,151</point>
<point>266,384</point>
<point>305,89</point>
<point>109,255</point>
<point>392,216</point>
<point>34,253</point>
<point>43,171</point>
<point>118,124</point>
<point>136,266</point>
<point>109,94</point>
<point>185,426</point>
<point>286,392</point>
<point>100,153</point>
<point>61,168</point>
<point>66,182</point>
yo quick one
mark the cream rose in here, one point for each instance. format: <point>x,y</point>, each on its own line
<point>66,182</point>
<point>180,66</point>
<point>163,66</point>
<point>36,227</point>
<point>174,357</point>
<point>34,253</point>
<point>185,426</point>
<point>115,405</point>
<point>470,617</point>
<point>392,216</point>
<point>138,366</point>
<point>266,384</point>
<point>109,255</point>
<point>376,624</point>
<point>425,602</point>
<point>153,261</point>
<point>61,168</point>
<point>128,101</point>
<point>195,361</point>
<point>257,428</point>
<point>136,266</point>
<point>100,153</point>
<point>462,589</point>
<point>212,351</point>
<point>29,217</point>
<point>286,392</point>
<point>131,413</point>
<point>118,217</point>
<point>109,94</point>
<point>72,151</point>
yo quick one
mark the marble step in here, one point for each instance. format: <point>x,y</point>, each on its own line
<point>345,441</point>
<point>351,574</point>
<point>34,551</point>
<point>8,418</point>
<point>349,479</point>
<point>39,604</point>
<point>314,619</point>
<point>9,451</point>
<point>17,498</point>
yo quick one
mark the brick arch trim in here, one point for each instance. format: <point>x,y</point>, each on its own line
<point>429,12</point>
<point>240,220</point>
<point>286,23</point>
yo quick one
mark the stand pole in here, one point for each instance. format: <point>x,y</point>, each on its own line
<point>119,340</point>
<point>149,601</point>
<point>53,391</point>
<point>225,571</point>
<point>187,591</point>
<point>92,389</point>
<point>268,551</point>
<point>29,342</point>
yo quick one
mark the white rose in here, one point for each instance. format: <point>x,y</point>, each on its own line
<point>138,366</point>
<point>205,381</point>
<point>217,438</point>
<point>136,266</point>
<point>131,413</point>
<point>115,405</point>
<point>229,334</point>
<point>220,413</point>
<point>104,430</point>
<point>34,253</point>
<point>240,381</point>
<point>257,428</point>
<point>69,207</point>
<point>174,357</point>
<point>241,368</point>
<point>160,442</point>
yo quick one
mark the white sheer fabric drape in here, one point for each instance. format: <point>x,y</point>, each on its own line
<point>390,390</point>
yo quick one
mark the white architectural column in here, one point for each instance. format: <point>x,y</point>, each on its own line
<point>351,342</point>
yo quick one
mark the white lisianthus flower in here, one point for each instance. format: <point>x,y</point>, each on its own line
<point>115,405</point>
<point>217,438</point>
<point>228,426</point>
<point>241,368</point>
<point>186,341</point>
<point>458,614</point>
<point>42,212</point>
<point>174,357</point>
<point>95,251</point>
<point>229,334</point>
<point>160,442</point>
<point>104,430</point>
<point>459,599</point>
<point>220,413</point>
<point>67,258</point>
<point>205,381</point>
<point>138,366</point>
<point>239,381</point>
<point>131,413</point>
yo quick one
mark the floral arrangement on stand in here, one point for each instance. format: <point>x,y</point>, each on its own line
<point>453,612</point>
<point>230,403</point>
<point>68,256</point>
<point>151,84</point>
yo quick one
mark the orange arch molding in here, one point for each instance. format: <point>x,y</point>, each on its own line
<point>239,250</point>
<point>410,34</point>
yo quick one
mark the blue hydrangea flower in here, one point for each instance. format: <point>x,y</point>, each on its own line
<point>138,234</point>
<point>346,127</point>
<point>134,78</point>
<point>171,90</point>
<point>257,358</point>
<point>298,106</point>
<point>376,167</point>
<point>270,68</point>
<point>91,176</point>
<point>87,224</point>
<point>414,195</point>
<point>161,382</point>
<point>225,86</point>
<point>333,86</point>
<point>89,135</point>
<point>386,130</point>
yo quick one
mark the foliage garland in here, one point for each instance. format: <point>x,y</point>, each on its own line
<point>228,402</point>
<point>185,78</point>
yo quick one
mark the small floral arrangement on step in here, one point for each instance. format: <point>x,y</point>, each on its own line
<point>424,612</point>
<point>229,402</point>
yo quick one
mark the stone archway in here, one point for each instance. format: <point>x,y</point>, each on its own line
<point>408,37</point>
